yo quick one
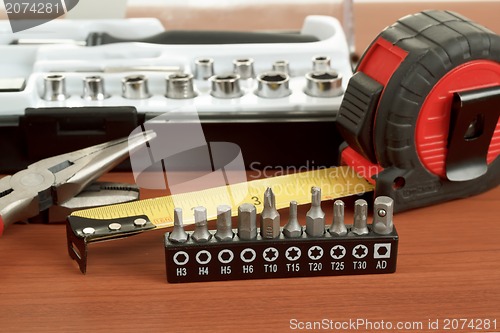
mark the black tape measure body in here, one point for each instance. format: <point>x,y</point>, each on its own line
<point>423,110</point>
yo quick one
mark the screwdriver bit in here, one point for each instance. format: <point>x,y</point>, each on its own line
<point>247,222</point>
<point>338,226</point>
<point>382,215</point>
<point>360,218</point>
<point>315,217</point>
<point>201,233</point>
<point>270,218</point>
<point>292,229</point>
<point>178,235</point>
<point>224,228</point>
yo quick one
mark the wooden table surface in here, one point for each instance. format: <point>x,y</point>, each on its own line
<point>448,268</point>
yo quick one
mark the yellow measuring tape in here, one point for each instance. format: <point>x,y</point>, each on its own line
<point>334,182</point>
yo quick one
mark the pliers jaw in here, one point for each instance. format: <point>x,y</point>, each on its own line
<point>56,180</point>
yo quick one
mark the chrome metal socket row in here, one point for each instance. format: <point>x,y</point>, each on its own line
<point>270,226</point>
<point>181,86</point>
<point>244,67</point>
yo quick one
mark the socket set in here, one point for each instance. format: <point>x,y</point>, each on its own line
<point>322,82</point>
<point>290,81</point>
<point>272,251</point>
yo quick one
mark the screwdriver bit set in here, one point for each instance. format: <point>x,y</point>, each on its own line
<point>297,78</point>
<point>272,251</point>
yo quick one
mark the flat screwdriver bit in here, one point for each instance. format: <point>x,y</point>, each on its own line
<point>247,222</point>
<point>178,235</point>
<point>224,227</point>
<point>315,217</point>
<point>360,218</point>
<point>382,215</point>
<point>270,218</point>
<point>338,225</point>
<point>292,229</point>
<point>201,233</point>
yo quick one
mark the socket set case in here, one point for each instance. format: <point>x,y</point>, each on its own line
<point>34,126</point>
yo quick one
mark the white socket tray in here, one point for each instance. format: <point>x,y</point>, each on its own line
<point>34,62</point>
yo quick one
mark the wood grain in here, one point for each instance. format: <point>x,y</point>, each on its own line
<point>448,267</point>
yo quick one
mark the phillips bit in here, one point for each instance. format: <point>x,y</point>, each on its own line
<point>224,228</point>
<point>201,233</point>
<point>270,218</point>
<point>292,229</point>
<point>315,217</point>
<point>338,226</point>
<point>360,218</point>
<point>247,222</point>
<point>382,215</point>
<point>178,235</point>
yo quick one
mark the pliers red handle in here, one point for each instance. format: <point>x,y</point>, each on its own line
<point>57,179</point>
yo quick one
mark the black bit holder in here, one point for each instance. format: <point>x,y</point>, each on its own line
<point>281,257</point>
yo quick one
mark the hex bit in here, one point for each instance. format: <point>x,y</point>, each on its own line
<point>360,218</point>
<point>224,227</point>
<point>270,218</point>
<point>201,233</point>
<point>338,227</point>
<point>315,217</point>
<point>178,235</point>
<point>247,221</point>
<point>382,215</point>
<point>292,229</point>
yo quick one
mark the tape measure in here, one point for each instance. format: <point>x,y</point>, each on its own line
<point>334,182</point>
<point>421,114</point>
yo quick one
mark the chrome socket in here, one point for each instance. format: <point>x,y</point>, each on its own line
<point>244,68</point>
<point>203,68</point>
<point>281,66</point>
<point>180,86</point>
<point>135,87</point>
<point>93,88</point>
<point>324,84</point>
<point>54,88</point>
<point>321,63</point>
<point>226,86</point>
<point>273,85</point>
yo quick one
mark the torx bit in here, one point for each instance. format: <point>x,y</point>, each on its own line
<point>201,233</point>
<point>292,229</point>
<point>338,226</point>
<point>224,228</point>
<point>178,235</point>
<point>382,215</point>
<point>315,217</point>
<point>247,221</point>
<point>360,218</point>
<point>270,218</point>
